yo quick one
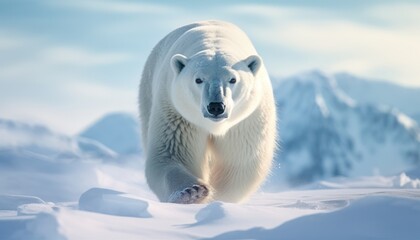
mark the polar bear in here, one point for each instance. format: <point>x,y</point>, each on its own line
<point>207,115</point>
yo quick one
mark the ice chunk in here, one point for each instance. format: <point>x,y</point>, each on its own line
<point>35,208</point>
<point>112,202</point>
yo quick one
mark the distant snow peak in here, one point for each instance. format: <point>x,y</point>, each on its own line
<point>323,84</point>
<point>322,105</point>
<point>118,131</point>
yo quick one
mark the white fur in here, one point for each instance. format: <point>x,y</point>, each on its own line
<point>230,157</point>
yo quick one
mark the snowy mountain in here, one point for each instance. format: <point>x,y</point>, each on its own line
<point>326,133</point>
<point>381,93</point>
<point>118,131</point>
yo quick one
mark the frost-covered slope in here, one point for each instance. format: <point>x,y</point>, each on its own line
<point>378,93</point>
<point>24,138</point>
<point>118,131</point>
<point>326,133</point>
<point>35,160</point>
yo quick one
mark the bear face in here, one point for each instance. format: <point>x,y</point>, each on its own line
<point>214,90</point>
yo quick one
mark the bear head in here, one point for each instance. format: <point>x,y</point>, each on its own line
<point>215,90</point>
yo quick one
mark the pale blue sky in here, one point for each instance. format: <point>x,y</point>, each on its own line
<point>66,63</point>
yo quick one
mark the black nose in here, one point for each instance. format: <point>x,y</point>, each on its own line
<point>216,108</point>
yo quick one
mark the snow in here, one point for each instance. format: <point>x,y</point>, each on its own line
<point>322,105</point>
<point>406,121</point>
<point>338,214</point>
<point>369,218</point>
<point>406,182</point>
<point>119,205</point>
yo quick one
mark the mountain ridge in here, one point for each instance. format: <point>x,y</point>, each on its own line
<point>326,133</point>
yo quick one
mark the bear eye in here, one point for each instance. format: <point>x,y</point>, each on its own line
<point>233,80</point>
<point>198,80</point>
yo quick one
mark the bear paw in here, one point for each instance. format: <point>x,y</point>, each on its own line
<point>194,194</point>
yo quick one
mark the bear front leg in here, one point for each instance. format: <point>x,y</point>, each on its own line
<point>184,187</point>
<point>176,164</point>
<point>174,183</point>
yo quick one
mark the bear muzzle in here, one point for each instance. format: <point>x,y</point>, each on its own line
<point>216,108</point>
<point>216,111</point>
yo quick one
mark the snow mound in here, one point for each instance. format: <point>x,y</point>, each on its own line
<point>211,213</point>
<point>26,217</point>
<point>43,226</point>
<point>112,202</point>
<point>368,218</point>
<point>12,202</point>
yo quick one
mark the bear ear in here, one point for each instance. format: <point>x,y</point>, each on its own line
<point>178,62</point>
<point>253,62</point>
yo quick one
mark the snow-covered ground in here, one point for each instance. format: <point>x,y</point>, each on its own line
<point>120,206</point>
